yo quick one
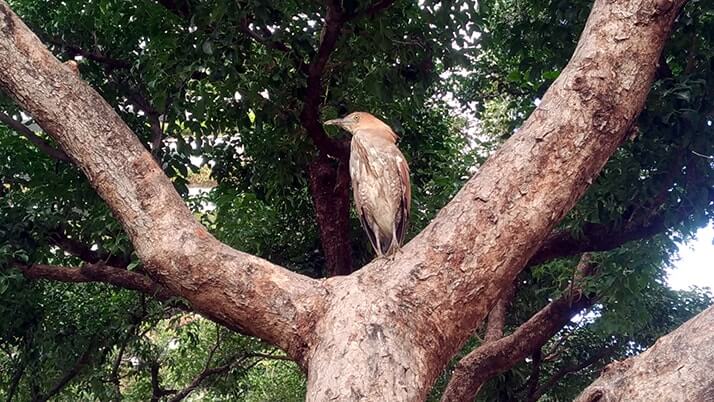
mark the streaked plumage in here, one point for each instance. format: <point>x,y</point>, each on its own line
<point>380,181</point>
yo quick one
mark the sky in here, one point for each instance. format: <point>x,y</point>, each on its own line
<point>695,265</point>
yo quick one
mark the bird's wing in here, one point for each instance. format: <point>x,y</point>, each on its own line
<point>357,158</point>
<point>406,201</point>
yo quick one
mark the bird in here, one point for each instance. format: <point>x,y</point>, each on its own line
<point>380,181</point>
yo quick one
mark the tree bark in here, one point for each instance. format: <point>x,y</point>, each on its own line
<point>386,331</point>
<point>330,190</point>
<point>241,291</point>
<point>678,367</point>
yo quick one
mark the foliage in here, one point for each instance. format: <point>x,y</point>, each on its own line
<point>228,102</point>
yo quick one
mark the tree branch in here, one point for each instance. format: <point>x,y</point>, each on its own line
<point>98,57</point>
<point>497,316</point>
<point>534,379</point>
<point>206,373</point>
<point>15,380</point>
<point>97,273</point>
<point>375,8</point>
<point>568,369</point>
<point>180,8</point>
<point>243,292</point>
<point>684,356</point>
<point>83,360</point>
<point>493,358</point>
<point>310,114</point>
<point>157,392</point>
<point>43,145</point>
<point>80,250</point>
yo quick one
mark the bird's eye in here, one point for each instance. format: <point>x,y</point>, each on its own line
<point>355,117</point>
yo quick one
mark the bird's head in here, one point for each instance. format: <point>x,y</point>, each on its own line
<point>364,121</point>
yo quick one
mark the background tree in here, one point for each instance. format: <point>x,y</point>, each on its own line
<point>242,85</point>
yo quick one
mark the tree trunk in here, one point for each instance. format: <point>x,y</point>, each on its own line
<point>330,190</point>
<point>678,367</point>
<point>386,331</point>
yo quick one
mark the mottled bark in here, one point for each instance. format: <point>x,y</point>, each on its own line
<point>386,331</point>
<point>678,367</point>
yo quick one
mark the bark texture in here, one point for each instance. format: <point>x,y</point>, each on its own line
<point>241,291</point>
<point>386,331</point>
<point>406,318</point>
<point>678,367</point>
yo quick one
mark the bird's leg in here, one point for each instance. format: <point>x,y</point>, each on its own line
<point>377,238</point>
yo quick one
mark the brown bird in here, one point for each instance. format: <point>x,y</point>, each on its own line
<point>380,181</point>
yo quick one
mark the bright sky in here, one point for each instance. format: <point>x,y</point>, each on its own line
<point>695,265</point>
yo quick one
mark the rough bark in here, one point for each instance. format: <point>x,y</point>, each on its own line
<point>678,367</point>
<point>386,331</point>
<point>418,310</point>
<point>239,290</point>
<point>495,357</point>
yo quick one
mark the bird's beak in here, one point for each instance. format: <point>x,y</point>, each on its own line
<point>334,122</point>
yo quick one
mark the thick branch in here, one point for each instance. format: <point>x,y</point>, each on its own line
<point>43,145</point>
<point>243,292</point>
<point>685,356</point>
<point>495,357</point>
<point>424,305</point>
<point>329,182</point>
<point>604,237</point>
<point>594,237</point>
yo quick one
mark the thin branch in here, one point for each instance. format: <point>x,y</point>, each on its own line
<point>180,8</point>
<point>266,41</point>
<point>15,381</point>
<point>97,273</point>
<point>25,131</point>
<point>82,251</point>
<point>114,374</point>
<point>564,371</point>
<point>310,114</point>
<point>96,56</point>
<point>157,392</point>
<point>207,373</point>
<point>534,379</point>
<point>497,317</point>
<point>495,357</point>
<point>83,360</point>
<point>375,8</point>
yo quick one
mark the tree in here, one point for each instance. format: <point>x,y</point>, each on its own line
<point>391,316</point>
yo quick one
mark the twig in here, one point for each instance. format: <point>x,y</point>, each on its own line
<point>43,145</point>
